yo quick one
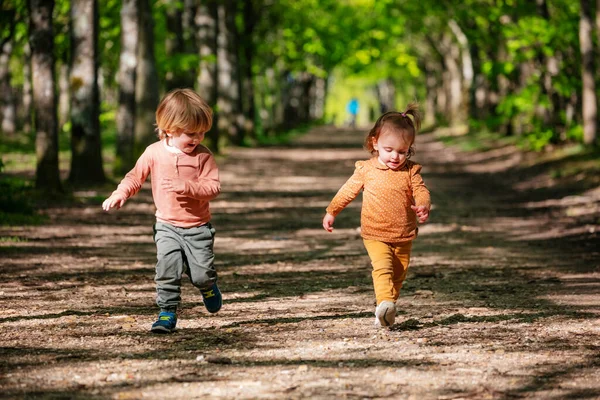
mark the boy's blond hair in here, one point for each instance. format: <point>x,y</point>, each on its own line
<point>182,110</point>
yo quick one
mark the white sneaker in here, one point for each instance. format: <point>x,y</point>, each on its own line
<point>385,314</point>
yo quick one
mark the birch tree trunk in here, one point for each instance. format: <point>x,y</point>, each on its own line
<point>7,100</point>
<point>228,83</point>
<point>589,106</point>
<point>247,76</point>
<point>466,70</point>
<point>24,111</point>
<point>206,21</point>
<point>41,38</point>
<point>125,157</point>
<point>86,147</point>
<point>146,83</point>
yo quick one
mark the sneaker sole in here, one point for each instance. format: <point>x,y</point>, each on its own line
<point>161,330</point>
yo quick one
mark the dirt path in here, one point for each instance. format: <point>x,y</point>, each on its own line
<point>502,300</point>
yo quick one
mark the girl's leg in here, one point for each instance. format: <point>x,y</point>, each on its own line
<point>401,261</point>
<point>381,256</point>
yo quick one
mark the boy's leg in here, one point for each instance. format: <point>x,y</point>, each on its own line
<point>381,256</point>
<point>198,248</point>
<point>400,262</point>
<point>169,267</point>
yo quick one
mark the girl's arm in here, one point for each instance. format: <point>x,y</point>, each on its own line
<point>420,193</point>
<point>348,191</point>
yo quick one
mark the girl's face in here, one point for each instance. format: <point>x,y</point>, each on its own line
<point>392,149</point>
<point>186,142</point>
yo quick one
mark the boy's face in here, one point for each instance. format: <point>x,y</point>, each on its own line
<point>185,141</point>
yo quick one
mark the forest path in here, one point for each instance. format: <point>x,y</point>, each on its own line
<point>502,298</point>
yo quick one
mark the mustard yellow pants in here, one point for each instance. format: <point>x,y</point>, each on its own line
<point>390,265</point>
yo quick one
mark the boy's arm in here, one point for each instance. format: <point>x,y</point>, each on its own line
<point>133,181</point>
<point>347,192</point>
<point>208,185</point>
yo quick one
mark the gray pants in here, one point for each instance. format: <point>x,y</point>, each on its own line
<point>180,250</point>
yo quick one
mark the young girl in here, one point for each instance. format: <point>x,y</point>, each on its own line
<point>394,197</point>
<point>185,178</point>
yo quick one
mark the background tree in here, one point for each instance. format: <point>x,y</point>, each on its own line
<point>125,120</point>
<point>146,82</point>
<point>206,21</point>
<point>44,97</point>
<point>86,153</point>
<point>590,109</point>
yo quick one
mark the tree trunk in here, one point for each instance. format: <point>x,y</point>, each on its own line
<point>86,147</point>
<point>589,106</point>
<point>386,95</point>
<point>125,157</point>
<point>175,45</point>
<point>64,101</point>
<point>7,101</point>
<point>206,21</point>
<point>467,69</point>
<point>228,87</point>
<point>44,96</point>
<point>549,67</point>
<point>249,106</point>
<point>453,81</point>
<point>318,93</point>
<point>146,83</point>
<point>24,112</point>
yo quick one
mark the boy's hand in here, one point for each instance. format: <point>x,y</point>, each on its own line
<point>116,200</point>
<point>328,220</point>
<point>172,185</point>
<point>422,213</point>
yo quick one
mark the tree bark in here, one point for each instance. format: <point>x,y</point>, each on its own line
<point>466,69</point>
<point>24,111</point>
<point>175,45</point>
<point>549,67</point>
<point>86,146</point>
<point>64,101</point>
<point>206,20</point>
<point>44,96</point>
<point>247,80</point>
<point>7,101</point>
<point>125,157</point>
<point>589,106</point>
<point>228,87</point>
<point>146,83</point>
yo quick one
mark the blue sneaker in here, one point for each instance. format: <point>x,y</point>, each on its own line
<point>212,298</point>
<point>165,323</point>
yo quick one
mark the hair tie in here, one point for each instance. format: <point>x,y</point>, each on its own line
<point>403,114</point>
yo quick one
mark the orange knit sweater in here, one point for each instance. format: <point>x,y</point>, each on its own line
<point>387,196</point>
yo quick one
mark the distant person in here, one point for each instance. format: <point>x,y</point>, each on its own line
<point>394,198</point>
<point>185,178</point>
<point>352,108</point>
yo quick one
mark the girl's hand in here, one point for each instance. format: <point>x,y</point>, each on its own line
<point>172,185</point>
<point>116,200</point>
<point>328,220</point>
<point>422,213</point>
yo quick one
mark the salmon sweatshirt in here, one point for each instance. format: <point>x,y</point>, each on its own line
<point>198,171</point>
